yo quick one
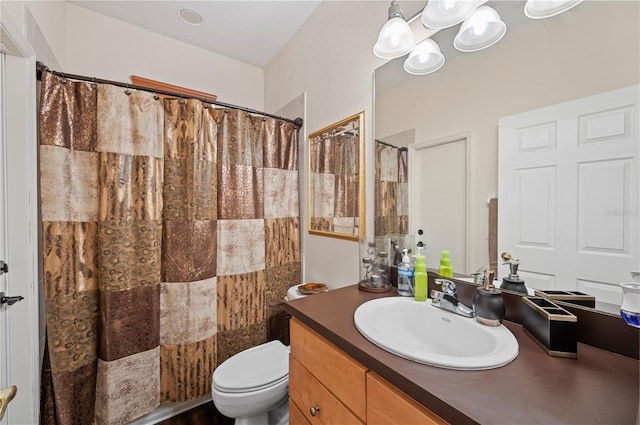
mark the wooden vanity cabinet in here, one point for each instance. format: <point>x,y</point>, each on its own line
<point>327,386</point>
<point>386,404</point>
<point>321,375</point>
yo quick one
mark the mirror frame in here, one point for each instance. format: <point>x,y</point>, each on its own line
<point>361,233</point>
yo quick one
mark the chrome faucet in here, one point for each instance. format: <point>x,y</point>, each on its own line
<point>447,299</point>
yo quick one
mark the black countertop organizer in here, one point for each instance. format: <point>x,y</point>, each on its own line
<point>573,297</point>
<point>552,327</point>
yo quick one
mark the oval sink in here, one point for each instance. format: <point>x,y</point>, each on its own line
<point>423,333</point>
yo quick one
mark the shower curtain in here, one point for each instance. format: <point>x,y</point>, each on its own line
<point>170,234</point>
<point>392,196</point>
<point>335,178</point>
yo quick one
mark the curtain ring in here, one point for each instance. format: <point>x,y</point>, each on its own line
<point>94,84</point>
<point>155,96</point>
<point>226,110</point>
<point>127,91</point>
<point>181,101</point>
<point>64,79</point>
<point>206,106</point>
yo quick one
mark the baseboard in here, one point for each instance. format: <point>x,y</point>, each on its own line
<point>170,410</point>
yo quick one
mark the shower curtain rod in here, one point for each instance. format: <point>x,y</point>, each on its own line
<point>41,67</point>
<point>391,146</point>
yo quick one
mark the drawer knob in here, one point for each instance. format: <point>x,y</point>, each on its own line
<point>314,410</point>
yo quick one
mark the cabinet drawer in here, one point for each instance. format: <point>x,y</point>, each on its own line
<point>306,392</point>
<point>341,374</point>
<point>386,404</point>
<point>295,415</point>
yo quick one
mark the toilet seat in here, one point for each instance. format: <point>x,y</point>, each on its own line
<point>253,369</point>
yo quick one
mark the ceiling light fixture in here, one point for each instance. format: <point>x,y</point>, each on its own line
<point>190,16</point>
<point>540,9</point>
<point>424,59</point>
<point>439,14</point>
<point>395,38</point>
<point>481,28</point>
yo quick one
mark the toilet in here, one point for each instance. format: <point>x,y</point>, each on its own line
<point>253,386</point>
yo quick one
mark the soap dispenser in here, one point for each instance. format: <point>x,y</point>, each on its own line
<point>488,304</point>
<point>405,275</point>
<point>513,281</point>
<point>445,265</point>
<point>420,277</point>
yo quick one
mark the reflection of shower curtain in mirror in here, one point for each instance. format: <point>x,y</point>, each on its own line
<point>335,182</point>
<point>170,234</point>
<point>391,201</point>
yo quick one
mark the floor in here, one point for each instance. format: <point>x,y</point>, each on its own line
<point>205,414</point>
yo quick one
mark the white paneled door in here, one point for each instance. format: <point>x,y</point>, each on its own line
<point>19,327</point>
<point>569,190</point>
<point>439,199</point>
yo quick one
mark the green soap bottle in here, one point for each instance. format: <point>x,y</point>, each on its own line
<point>420,278</point>
<point>445,265</point>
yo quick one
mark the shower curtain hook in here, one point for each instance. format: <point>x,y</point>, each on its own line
<point>64,79</point>
<point>127,91</point>
<point>94,84</point>
<point>181,101</point>
<point>155,96</point>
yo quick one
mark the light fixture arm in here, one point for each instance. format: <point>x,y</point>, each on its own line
<point>395,11</point>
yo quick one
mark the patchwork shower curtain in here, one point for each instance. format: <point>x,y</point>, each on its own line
<point>334,171</point>
<point>170,234</point>
<point>392,197</point>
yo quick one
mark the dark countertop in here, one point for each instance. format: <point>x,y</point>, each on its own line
<point>599,387</point>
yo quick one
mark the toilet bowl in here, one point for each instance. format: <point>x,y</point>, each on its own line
<point>252,386</point>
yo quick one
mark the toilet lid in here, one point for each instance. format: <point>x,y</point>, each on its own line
<point>253,369</point>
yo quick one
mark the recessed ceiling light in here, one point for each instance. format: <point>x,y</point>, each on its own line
<point>190,16</point>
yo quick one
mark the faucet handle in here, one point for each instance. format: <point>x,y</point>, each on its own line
<point>448,287</point>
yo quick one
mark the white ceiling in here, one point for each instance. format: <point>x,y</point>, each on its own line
<point>249,31</point>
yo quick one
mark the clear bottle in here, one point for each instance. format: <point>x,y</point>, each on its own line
<point>405,275</point>
<point>420,278</point>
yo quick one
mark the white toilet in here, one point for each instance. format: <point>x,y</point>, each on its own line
<point>252,386</point>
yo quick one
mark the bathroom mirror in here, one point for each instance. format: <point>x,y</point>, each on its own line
<point>537,64</point>
<point>336,180</point>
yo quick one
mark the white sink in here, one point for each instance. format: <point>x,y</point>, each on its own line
<point>423,333</point>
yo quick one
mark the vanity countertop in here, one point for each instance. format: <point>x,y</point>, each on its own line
<point>598,387</point>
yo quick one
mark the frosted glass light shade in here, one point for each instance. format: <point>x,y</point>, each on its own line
<point>540,9</point>
<point>424,59</point>
<point>481,30</point>
<point>395,39</point>
<point>440,14</point>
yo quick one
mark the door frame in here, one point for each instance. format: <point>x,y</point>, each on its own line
<point>415,186</point>
<point>23,343</point>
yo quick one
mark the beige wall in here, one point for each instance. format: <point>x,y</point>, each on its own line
<point>72,39</point>
<point>114,50</point>
<point>51,20</point>
<point>591,49</point>
<point>43,25</point>
<point>331,60</point>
